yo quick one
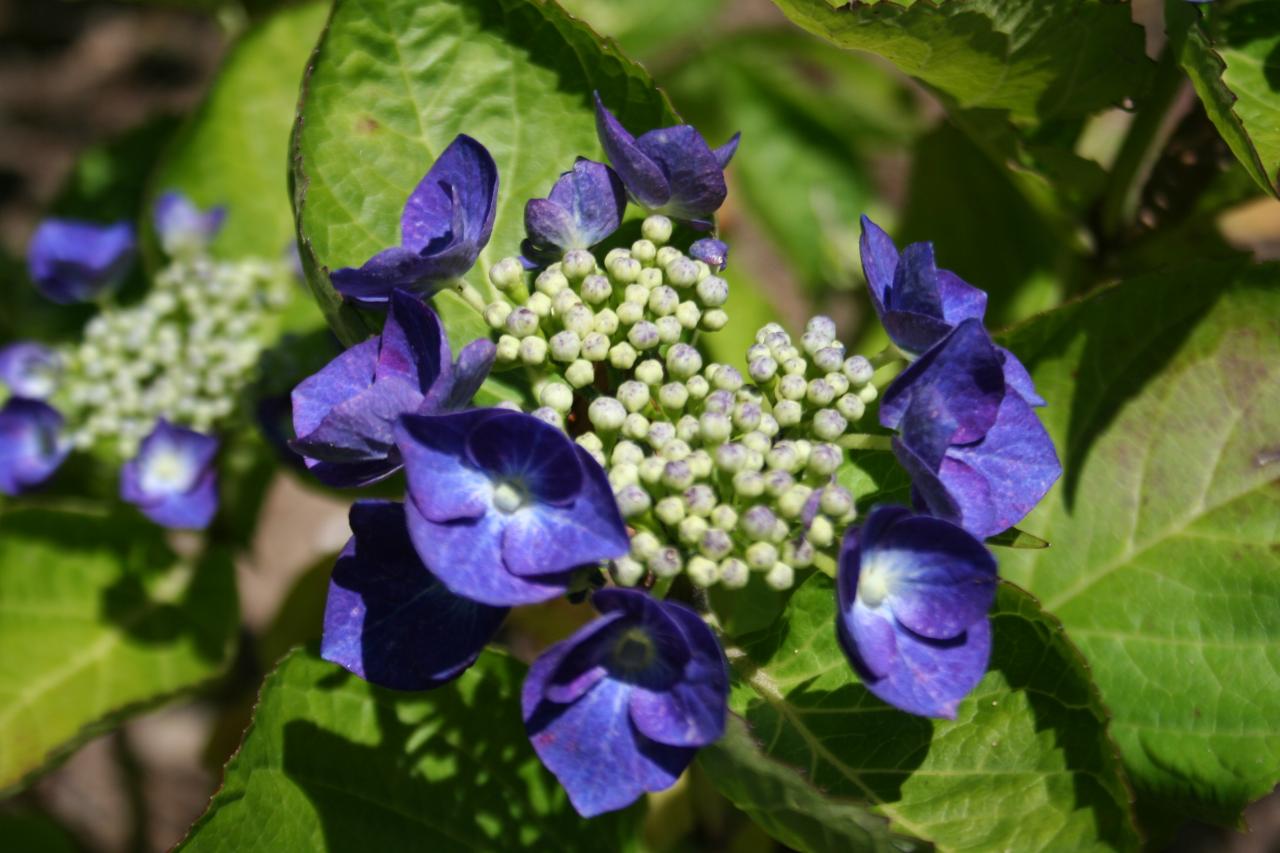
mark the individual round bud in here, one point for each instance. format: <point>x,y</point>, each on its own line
<point>656,229</point>
<point>637,293</point>
<point>508,348</point>
<point>643,335</point>
<point>606,321</point>
<point>867,393</point>
<point>761,556</point>
<point>829,358</point>
<point>614,255</point>
<point>669,329</point>
<point>644,251</point>
<point>677,476</point>
<point>780,577</point>
<point>666,562</point>
<point>522,322</point>
<point>606,414</point>
<point>635,426</point>
<point>720,402</point>
<point>836,502</point>
<point>533,350</point>
<point>791,503</point>
<point>783,457</point>
<point>683,361</point>
<point>715,543</point>
<point>546,414</point>
<point>821,532</point>
<point>851,407</point>
<point>828,424</point>
<point>821,328</point>
<point>626,453</point>
<point>724,517</point>
<point>667,254</point>
<point>580,374</point>
<point>673,396</point>
<point>691,529</point>
<point>787,413</point>
<point>819,393</point>
<point>747,416</point>
<point>700,462</point>
<point>634,395</point>
<point>651,468</point>
<point>689,315</point>
<point>577,264</point>
<point>714,320</point>
<point>748,484</point>
<point>687,428</point>
<point>506,274</point>
<point>627,572</point>
<point>660,434</point>
<point>625,270</point>
<point>714,428</point>
<point>812,342</point>
<point>551,281</point>
<point>649,371</point>
<point>496,313</point>
<point>663,301</point>
<point>757,441</point>
<point>595,347</point>
<point>589,441</point>
<point>700,499</point>
<point>557,395</point>
<point>563,301</point>
<point>727,378</point>
<point>595,289</point>
<point>670,510</point>
<point>697,386</point>
<point>839,384</point>
<point>702,572</point>
<point>565,346</point>
<point>540,304</point>
<point>758,522</point>
<point>858,370</point>
<point>644,545</point>
<point>734,574</point>
<point>824,459</point>
<point>630,313</point>
<point>675,450</point>
<point>682,272</point>
<point>762,369</point>
<point>622,356</point>
<point>795,367</point>
<point>632,500</point>
<point>731,458</point>
<point>777,482</point>
<point>713,291</point>
<point>651,278</point>
<point>578,319</point>
<point>792,387</point>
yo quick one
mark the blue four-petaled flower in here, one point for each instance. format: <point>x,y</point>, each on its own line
<point>32,445</point>
<point>583,208</point>
<point>912,597</point>
<point>29,369</point>
<point>72,261</point>
<point>172,479</point>
<point>623,705</point>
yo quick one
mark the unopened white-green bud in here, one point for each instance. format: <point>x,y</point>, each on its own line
<point>689,315</point>
<point>683,361</point>
<point>761,556</point>
<point>577,264</point>
<point>546,414</point>
<point>867,393</point>
<point>762,369</point>
<point>714,319</point>
<point>595,289</point>
<point>780,577</point>
<point>713,291</point>
<point>533,350</point>
<point>563,301</point>
<point>669,510</point>
<point>758,523</point>
<point>734,573</point>
<point>792,502</point>
<point>727,378</point>
<point>643,335</point>
<point>819,393</point>
<point>508,348</point>
<point>651,468</point>
<point>506,274</point>
<point>595,347</point>
<point>839,384</point>
<point>666,562</point>
<point>829,425</point>
<point>824,459</point>
<point>635,426</point>
<point>669,329</point>
<point>660,434</point>
<point>700,499</point>
<point>632,500</point>
<point>698,387</point>
<point>778,482</point>
<point>578,319</point>
<point>522,322</point>
<point>622,355</point>
<point>627,572</point>
<point>626,453</point>
<point>691,529</point>
<point>798,553</point>
<point>715,543</point>
<point>700,462</point>
<point>634,395</point>
<point>649,371</point>
<point>673,396</point>
<point>783,457</point>
<point>625,270</point>
<point>714,428</point>
<point>724,517</point>
<point>637,293</point>
<point>621,476</point>
<point>677,476</point>
<point>788,413</point>
<point>540,304</point>
<point>702,572</point>
<point>656,229</point>
<point>551,282</point>
<point>836,502</point>
<point>580,374</point>
<point>687,428</point>
<point>675,449</point>
<point>748,484</point>
<point>644,545</point>
<point>651,278</point>
<point>813,342</point>
<point>496,313</point>
<point>557,395</point>
<point>731,457</point>
<point>851,407</point>
<point>829,358</point>
<point>606,414</point>
<point>757,441</point>
<point>565,346</point>
<point>747,416</point>
<point>858,370</point>
<point>821,532</point>
<point>644,251</point>
<point>663,301</point>
<point>792,387</point>
<point>681,272</point>
<point>821,327</point>
<point>630,313</point>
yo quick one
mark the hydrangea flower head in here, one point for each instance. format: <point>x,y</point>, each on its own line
<point>72,261</point>
<point>344,415</point>
<point>29,369</point>
<point>31,444</point>
<point>913,594</point>
<point>173,479</point>
<point>671,170</point>
<point>388,619</point>
<point>622,706</point>
<point>976,452</point>
<point>503,507</point>
<point>583,208</point>
<point>183,228</point>
<point>446,222</point>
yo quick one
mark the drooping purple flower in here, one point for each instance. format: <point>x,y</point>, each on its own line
<point>446,221</point>
<point>913,594</point>
<point>344,415</point>
<point>503,507</point>
<point>388,619</point>
<point>31,444</point>
<point>976,452</point>
<point>671,170</point>
<point>622,706</point>
<point>712,252</point>
<point>583,208</point>
<point>173,479</point>
<point>29,370</point>
<point>184,228</point>
<point>72,261</point>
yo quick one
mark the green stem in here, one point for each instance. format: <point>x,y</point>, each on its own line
<point>474,298</point>
<point>864,441</point>
<point>824,563</point>
<point>886,356</point>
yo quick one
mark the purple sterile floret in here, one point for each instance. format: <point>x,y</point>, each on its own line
<point>29,369</point>
<point>583,208</point>
<point>972,443</point>
<point>182,227</point>
<point>622,706</point>
<point>31,444</point>
<point>712,252</point>
<point>344,415</point>
<point>503,507</point>
<point>912,595</point>
<point>173,479</point>
<point>72,261</point>
<point>446,222</point>
<point>671,170</point>
<point>388,619</point>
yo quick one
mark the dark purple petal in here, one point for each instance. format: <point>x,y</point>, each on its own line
<point>443,484</point>
<point>658,622</point>
<point>468,374</point>
<point>550,227</point>
<point>191,510</point>
<point>696,179</point>
<point>388,619</point>
<point>29,370</point>
<point>914,333</point>
<point>536,456</point>
<point>338,381</point>
<point>930,494</point>
<point>712,252</point>
<point>915,282</point>
<point>643,177</point>
<point>879,262</point>
<point>1018,379</point>
<point>960,300</point>
<point>73,261</point>
<point>725,152</point>
<point>463,180</point>
<point>31,444</point>
<point>692,711</point>
<point>183,227</point>
<point>396,268</point>
<point>585,660</point>
<point>584,207</point>
<point>172,478</point>
<point>362,429</point>
<point>414,346</point>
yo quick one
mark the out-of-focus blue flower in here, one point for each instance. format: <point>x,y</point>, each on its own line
<point>173,479</point>
<point>671,170</point>
<point>976,452</point>
<point>712,252</point>
<point>388,619</point>
<point>182,227</point>
<point>446,222</point>
<point>913,594</point>
<point>622,706</point>
<point>31,444</point>
<point>72,261</point>
<point>344,415</point>
<point>504,507</point>
<point>29,370</point>
<point>583,208</point>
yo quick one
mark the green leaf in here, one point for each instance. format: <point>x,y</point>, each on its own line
<point>394,81</point>
<point>332,762</point>
<point>99,620</point>
<point>1034,59</point>
<point>1026,765</point>
<point>1015,538</point>
<point>1165,407</point>
<point>643,28</point>
<point>1233,59</point>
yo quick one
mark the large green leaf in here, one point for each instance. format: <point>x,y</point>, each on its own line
<point>651,27</point>
<point>332,762</point>
<point>98,620</point>
<point>1026,765</point>
<point>1165,566</point>
<point>394,81</point>
<point>1034,59</point>
<point>1233,59</point>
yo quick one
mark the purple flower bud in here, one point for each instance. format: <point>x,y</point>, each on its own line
<point>712,252</point>
<point>31,444</point>
<point>73,261</point>
<point>173,479</point>
<point>583,208</point>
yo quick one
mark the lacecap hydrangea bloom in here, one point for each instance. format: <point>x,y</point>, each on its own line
<point>173,479</point>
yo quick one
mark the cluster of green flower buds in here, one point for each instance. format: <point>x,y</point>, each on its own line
<point>184,353</point>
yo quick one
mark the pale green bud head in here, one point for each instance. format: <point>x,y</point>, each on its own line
<point>656,229</point>
<point>622,356</point>
<point>595,346</point>
<point>580,373</point>
<point>649,372</point>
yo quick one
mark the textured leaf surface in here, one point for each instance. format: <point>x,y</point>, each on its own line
<point>394,81</point>
<point>1233,59</point>
<point>98,619</point>
<point>334,763</point>
<point>1165,565</point>
<point>649,27</point>
<point>1025,766</point>
<point>1035,59</point>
